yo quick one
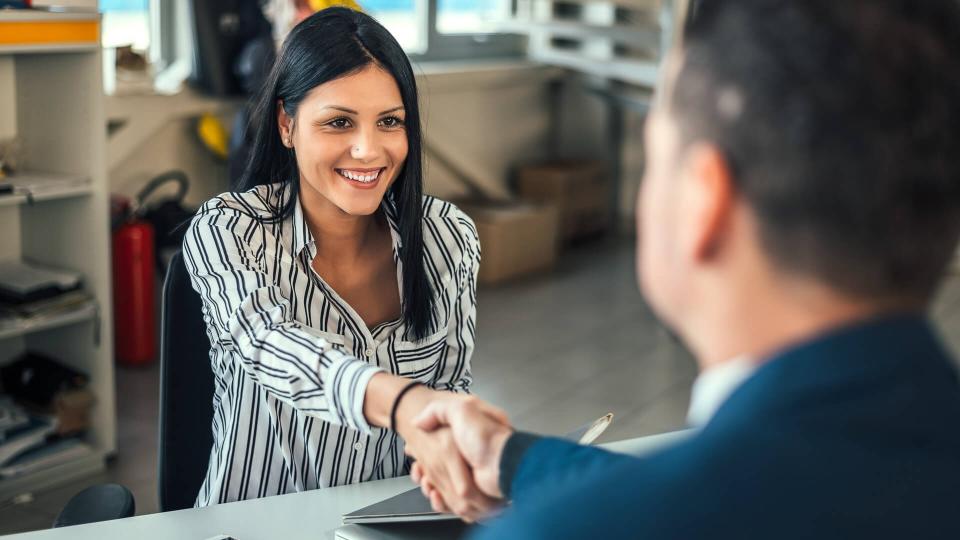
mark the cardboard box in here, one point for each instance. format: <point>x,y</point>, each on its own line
<point>579,189</point>
<point>516,239</point>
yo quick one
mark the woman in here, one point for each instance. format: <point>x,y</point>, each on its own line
<point>331,287</point>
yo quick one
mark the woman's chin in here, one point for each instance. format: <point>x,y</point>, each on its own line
<point>357,206</point>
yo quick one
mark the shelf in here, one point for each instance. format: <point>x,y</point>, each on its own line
<point>80,467</point>
<point>642,73</point>
<point>141,117</point>
<point>38,187</point>
<point>632,35</point>
<point>57,214</point>
<point>22,327</point>
<point>24,31</point>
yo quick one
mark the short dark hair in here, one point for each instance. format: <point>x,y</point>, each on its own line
<point>841,122</point>
<point>328,45</point>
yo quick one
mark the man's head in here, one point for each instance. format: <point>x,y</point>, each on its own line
<point>805,141</point>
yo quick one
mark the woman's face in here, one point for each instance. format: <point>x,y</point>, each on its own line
<point>350,140</point>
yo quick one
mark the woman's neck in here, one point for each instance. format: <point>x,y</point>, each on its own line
<point>338,236</point>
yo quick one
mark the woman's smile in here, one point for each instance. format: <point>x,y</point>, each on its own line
<point>361,178</point>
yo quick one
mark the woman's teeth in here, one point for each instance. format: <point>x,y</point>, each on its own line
<point>359,177</point>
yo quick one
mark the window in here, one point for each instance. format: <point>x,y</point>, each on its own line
<point>426,29</point>
<point>470,16</point>
<point>405,20</point>
<point>125,22</point>
<point>447,29</point>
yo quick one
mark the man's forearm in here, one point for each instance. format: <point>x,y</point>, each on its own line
<point>534,464</point>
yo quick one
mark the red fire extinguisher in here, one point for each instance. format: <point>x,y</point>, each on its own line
<point>134,300</point>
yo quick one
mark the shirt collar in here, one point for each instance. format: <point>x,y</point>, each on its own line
<point>390,211</point>
<point>302,237</point>
<point>714,386</point>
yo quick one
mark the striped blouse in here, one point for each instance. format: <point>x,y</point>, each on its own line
<point>291,359</point>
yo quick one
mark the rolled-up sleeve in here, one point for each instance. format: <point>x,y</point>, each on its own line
<point>226,251</point>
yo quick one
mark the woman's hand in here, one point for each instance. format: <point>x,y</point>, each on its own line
<point>480,438</point>
<point>438,455</point>
<point>435,451</point>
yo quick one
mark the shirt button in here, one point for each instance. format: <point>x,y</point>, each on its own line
<point>369,353</point>
<point>358,447</point>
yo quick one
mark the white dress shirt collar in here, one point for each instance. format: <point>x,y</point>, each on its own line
<point>714,386</point>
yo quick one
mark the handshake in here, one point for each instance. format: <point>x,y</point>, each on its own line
<point>457,442</point>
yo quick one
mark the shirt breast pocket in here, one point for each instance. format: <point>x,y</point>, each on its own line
<point>419,359</point>
<point>336,341</point>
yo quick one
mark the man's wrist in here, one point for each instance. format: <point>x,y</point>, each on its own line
<point>498,442</point>
<point>511,455</point>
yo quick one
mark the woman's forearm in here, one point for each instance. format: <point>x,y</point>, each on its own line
<point>382,392</point>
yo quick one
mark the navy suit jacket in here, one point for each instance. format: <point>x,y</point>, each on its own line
<point>855,434</point>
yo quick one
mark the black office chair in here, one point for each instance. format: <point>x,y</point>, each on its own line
<point>186,392</point>
<point>186,412</point>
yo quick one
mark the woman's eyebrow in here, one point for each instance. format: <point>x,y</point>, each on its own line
<point>351,111</point>
<point>339,108</point>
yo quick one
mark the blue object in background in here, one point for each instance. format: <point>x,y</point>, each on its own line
<point>123,5</point>
<point>15,4</point>
<point>466,5</point>
<point>379,6</point>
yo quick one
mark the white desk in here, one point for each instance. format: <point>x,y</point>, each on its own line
<point>309,515</point>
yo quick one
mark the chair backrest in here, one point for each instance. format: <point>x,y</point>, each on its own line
<point>186,392</point>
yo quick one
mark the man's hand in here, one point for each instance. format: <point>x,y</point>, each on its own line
<point>480,431</point>
<point>438,456</point>
<point>439,459</point>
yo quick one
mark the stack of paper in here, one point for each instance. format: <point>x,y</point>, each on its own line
<point>20,439</point>
<point>24,282</point>
<point>44,457</point>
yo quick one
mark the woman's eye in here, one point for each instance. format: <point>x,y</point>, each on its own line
<point>391,122</point>
<point>339,123</point>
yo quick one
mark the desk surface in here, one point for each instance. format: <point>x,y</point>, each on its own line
<point>310,515</point>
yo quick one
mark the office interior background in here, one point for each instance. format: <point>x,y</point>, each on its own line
<point>533,112</point>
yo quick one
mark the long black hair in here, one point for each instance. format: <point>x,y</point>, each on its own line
<point>330,44</point>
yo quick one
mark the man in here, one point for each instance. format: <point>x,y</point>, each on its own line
<point>800,203</point>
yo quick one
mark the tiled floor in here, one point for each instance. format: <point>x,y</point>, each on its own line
<point>555,351</point>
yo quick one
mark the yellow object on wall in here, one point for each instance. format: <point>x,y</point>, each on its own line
<point>318,5</point>
<point>213,134</point>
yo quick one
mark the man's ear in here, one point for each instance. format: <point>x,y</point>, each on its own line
<point>710,200</point>
<point>285,122</point>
